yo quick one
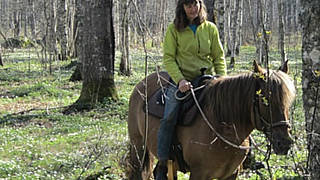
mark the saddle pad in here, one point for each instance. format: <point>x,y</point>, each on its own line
<point>156,108</point>
<point>156,104</point>
<point>188,109</point>
<point>156,100</point>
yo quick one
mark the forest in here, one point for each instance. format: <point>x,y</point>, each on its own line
<point>68,68</point>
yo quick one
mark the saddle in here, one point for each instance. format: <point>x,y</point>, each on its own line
<point>188,109</point>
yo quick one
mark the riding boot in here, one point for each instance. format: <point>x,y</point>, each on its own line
<point>162,170</point>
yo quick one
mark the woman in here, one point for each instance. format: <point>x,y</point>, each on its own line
<point>191,43</point>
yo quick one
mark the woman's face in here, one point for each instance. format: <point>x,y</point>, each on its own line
<point>192,10</point>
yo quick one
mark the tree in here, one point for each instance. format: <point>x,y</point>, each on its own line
<point>96,52</point>
<point>235,26</point>
<point>61,28</point>
<point>210,9</point>
<point>281,40</point>
<point>1,63</point>
<point>72,21</point>
<point>309,19</point>
<point>220,6</point>
<point>125,64</point>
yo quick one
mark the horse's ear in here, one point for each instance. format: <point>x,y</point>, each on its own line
<point>284,67</point>
<point>257,68</point>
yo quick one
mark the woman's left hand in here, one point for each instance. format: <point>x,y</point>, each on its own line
<point>184,85</point>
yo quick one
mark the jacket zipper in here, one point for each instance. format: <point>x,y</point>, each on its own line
<point>198,45</point>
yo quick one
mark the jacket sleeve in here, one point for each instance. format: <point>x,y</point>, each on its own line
<point>169,55</point>
<point>217,53</point>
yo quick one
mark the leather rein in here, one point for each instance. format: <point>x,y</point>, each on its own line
<point>258,119</point>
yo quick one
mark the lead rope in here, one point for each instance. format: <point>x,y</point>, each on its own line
<point>218,134</point>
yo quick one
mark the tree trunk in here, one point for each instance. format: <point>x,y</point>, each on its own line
<point>234,27</point>
<point>117,23</point>
<point>73,28</point>
<point>61,29</point>
<point>269,15</point>
<point>296,8</point>
<point>288,7</point>
<point>220,5</point>
<point>228,26</point>
<point>239,33</point>
<point>281,40</point>
<point>52,34</point>
<point>16,24</point>
<point>96,52</point>
<point>1,63</point>
<point>125,64</point>
<point>253,26</point>
<point>309,19</point>
<point>210,9</point>
<point>263,35</point>
<point>31,19</point>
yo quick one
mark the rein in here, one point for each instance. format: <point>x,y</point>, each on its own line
<point>214,130</point>
<point>188,94</point>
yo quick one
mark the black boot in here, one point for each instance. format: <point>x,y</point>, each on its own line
<point>162,170</point>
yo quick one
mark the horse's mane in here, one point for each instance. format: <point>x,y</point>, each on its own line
<point>229,98</point>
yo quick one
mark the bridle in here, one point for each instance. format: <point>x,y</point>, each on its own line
<point>260,121</point>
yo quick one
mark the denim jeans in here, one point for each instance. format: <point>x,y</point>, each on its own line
<point>167,123</point>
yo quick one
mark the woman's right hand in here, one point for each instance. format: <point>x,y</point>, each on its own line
<point>184,85</point>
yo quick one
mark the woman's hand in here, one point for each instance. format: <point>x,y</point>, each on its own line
<point>184,85</point>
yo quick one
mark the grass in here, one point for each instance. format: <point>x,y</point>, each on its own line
<point>39,142</point>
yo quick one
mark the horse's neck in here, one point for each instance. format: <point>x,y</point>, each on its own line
<point>234,112</point>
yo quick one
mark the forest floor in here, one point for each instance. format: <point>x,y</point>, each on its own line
<point>38,141</point>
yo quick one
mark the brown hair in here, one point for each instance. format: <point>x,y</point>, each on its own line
<point>181,21</point>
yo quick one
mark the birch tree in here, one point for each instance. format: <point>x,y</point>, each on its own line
<point>240,21</point>
<point>220,6</point>
<point>125,64</point>
<point>281,40</point>
<point>309,19</point>
<point>228,25</point>
<point>61,28</point>
<point>234,27</point>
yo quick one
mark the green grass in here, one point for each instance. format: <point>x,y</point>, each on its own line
<point>38,141</point>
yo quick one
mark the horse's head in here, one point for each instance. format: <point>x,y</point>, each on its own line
<point>274,94</point>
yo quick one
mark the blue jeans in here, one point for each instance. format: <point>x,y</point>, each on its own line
<point>167,123</point>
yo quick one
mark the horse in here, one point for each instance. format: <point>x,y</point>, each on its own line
<point>233,106</point>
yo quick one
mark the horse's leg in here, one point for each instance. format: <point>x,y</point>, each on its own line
<point>134,171</point>
<point>137,172</point>
<point>148,166</point>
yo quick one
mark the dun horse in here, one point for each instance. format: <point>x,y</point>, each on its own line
<point>234,106</point>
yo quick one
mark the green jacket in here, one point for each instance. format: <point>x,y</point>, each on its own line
<point>185,53</point>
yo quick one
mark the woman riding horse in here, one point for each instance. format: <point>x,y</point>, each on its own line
<point>191,43</point>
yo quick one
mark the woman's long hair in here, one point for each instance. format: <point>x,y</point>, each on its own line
<point>181,21</point>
